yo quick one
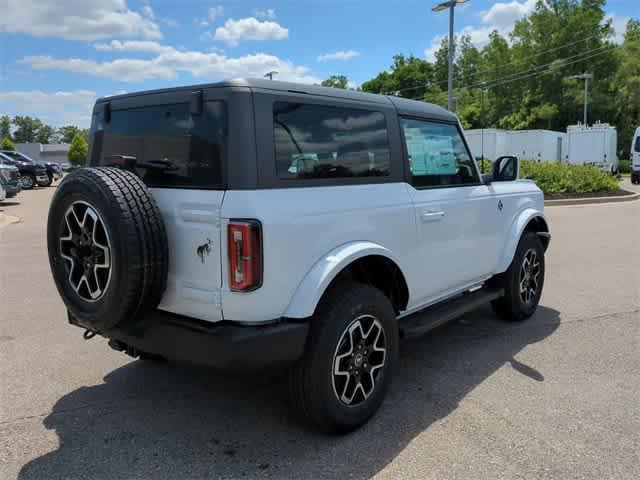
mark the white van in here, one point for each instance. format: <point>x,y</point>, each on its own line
<point>634,156</point>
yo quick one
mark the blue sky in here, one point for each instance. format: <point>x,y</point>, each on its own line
<point>57,56</point>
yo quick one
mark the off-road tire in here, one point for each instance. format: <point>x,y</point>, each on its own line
<point>139,249</point>
<point>511,306</point>
<point>310,381</point>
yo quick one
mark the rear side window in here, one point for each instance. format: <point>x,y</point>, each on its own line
<point>317,141</point>
<point>637,144</point>
<point>164,144</point>
<point>437,154</point>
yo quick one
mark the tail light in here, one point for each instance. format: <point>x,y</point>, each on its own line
<point>245,255</point>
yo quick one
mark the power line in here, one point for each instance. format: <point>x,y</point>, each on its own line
<point>537,54</point>
<point>550,68</point>
<point>543,66</point>
<point>585,55</point>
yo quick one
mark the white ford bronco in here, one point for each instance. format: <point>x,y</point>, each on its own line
<point>253,224</point>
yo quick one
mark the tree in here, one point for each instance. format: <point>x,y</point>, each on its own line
<point>7,144</point>
<point>26,129</point>
<point>78,150</point>
<point>67,133</point>
<point>626,85</point>
<point>409,76</point>
<point>5,127</point>
<point>31,129</point>
<point>45,134</point>
<point>336,81</point>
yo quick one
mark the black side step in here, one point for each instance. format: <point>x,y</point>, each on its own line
<point>421,322</point>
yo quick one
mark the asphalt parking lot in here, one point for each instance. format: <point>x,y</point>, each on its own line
<point>555,397</point>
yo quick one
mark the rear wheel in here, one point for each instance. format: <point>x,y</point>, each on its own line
<point>523,281</point>
<point>349,358</point>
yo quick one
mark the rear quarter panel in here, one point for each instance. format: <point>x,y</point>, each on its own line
<point>302,225</point>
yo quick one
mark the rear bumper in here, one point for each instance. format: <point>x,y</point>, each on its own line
<point>227,346</point>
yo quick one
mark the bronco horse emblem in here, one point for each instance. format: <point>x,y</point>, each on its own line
<point>204,249</point>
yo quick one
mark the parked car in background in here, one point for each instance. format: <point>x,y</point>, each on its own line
<point>10,179</point>
<point>54,171</point>
<point>3,195</point>
<point>634,156</point>
<point>31,173</point>
<point>65,166</point>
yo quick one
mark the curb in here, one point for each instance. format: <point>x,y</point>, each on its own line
<point>592,200</point>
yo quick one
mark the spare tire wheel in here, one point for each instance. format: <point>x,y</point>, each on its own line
<point>107,247</point>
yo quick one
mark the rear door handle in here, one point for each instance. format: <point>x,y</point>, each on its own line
<point>432,216</point>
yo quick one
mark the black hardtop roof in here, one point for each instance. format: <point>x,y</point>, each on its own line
<point>404,106</point>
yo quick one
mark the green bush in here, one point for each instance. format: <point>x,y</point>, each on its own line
<point>78,150</point>
<point>558,178</point>
<point>624,166</point>
<point>7,144</point>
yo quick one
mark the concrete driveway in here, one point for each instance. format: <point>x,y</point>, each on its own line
<point>555,397</point>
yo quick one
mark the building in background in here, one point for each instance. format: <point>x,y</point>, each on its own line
<point>53,152</point>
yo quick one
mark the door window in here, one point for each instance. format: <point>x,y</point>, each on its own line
<point>319,141</point>
<point>437,155</point>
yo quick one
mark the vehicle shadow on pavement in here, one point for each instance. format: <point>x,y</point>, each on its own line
<point>152,420</point>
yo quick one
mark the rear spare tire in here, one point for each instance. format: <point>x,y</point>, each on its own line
<point>107,247</point>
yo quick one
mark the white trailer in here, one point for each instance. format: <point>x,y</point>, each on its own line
<point>595,145</point>
<point>536,145</point>
<point>492,141</point>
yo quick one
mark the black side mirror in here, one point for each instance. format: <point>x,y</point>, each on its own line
<point>505,169</point>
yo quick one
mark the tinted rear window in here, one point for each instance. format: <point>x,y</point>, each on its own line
<point>316,141</point>
<point>164,144</point>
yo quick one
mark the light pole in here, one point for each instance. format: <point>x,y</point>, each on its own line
<point>270,74</point>
<point>484,89</point>
<point>451,5</point>
<point>585,76</point>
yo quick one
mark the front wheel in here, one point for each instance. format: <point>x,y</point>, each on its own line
<point>349,358</point>
<point>523,280</point>
<point>28,181</point>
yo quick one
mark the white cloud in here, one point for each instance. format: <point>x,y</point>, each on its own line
<point>340,55</point>
<point>58,108</point>
<point>250,28</point>
<point>268,14</point>
<point>215,12</point>
<point>91,19</point>
<point>147,11</point>
<point>170,22</point>
<point>132,46</point>
<point>169,62</point>
<point>619,25</point>
<point>501,17</point>
<point>504,15</point>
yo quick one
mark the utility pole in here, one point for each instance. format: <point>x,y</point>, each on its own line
<point>270,74</point>
<point>451,5</point>
<point>585,76</point>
